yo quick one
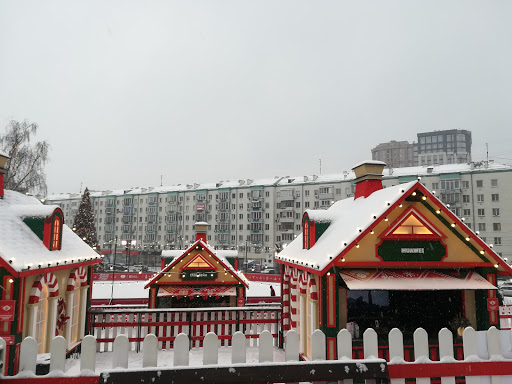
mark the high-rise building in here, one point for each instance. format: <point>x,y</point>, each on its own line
<point>262,216</point>
<point>443,147</point>
<point>396,154</point>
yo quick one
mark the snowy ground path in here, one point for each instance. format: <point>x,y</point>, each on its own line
<point>166,359</point>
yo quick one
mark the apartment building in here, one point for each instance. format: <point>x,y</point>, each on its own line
<point>260,217</point>
<point>451,146</point>
<point>395,154</point>
<point>443,147</point>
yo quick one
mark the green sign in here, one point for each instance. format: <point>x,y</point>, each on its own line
<point>198,275</point>
<point>411,250</point>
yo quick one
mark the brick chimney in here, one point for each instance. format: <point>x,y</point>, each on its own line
<point>3,161</point>
<point>201,229</point>
<point>368,177</point>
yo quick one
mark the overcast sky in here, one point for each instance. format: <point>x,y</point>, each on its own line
<point>203,91</point>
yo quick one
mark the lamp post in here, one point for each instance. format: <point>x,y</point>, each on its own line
<point>113,269</point>
<point>246,261</point>
<point>128,244</point>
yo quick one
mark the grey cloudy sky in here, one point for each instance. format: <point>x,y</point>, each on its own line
<point>201,91</point>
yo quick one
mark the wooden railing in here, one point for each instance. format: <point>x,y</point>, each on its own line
<point>166,324</point>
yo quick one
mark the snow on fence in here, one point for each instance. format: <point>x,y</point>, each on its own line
<point>484,361</point>
<point>166,324</point>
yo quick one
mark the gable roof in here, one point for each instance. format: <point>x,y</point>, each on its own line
<point>217,255</point>
<point>20,247</point>
<point>350,220</point>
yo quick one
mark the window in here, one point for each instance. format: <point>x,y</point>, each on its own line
<point>481,226</point>
<point>465,184</point>
<point>74,310</point>
<point>41,320</point>
<point>480,198</point>
<point>435,186</point>
<point>450,185</point>
<point>479,183</point>
<point>495,197</point>
<point>494,182</point>
<point>496,226</point>
<point>481,212</point>
<point>495,211</point>
<point>56,233</point>
<point>497,241</point>
<point>465,199</point>
<point>466,212</point>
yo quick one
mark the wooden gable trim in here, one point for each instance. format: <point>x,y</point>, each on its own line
<point>484,247</point>
<point>411,211</point>
<point>199,255</point>
<point>443,209</point>
<point>155,279</point>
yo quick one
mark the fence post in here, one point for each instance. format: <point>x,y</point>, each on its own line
<point>28,355</point>
<point>494,349</point>
<point>318,348</point>
<point>3,350</point>
<point>266,344</point>
<point>371,347</point>
<point>238,348</point>
<point>344,344</point>
<point>58,354</point>
<point>88,357</point>
<point>421,351</point>
<point>470,349</point>
<point>120,352</point>
<point>150,351</point>
<point>446,352</point>
<point>181,350</point>
<point>396,350</point>
<point>291,346</point>
<point>210,349</point>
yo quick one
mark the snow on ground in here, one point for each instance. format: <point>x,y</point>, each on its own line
<point>166,359</point>
<point>135,289</point>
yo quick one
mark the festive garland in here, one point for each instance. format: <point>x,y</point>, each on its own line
<point>62,319</point>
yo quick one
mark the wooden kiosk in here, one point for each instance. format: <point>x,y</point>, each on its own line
<point>393,257</point>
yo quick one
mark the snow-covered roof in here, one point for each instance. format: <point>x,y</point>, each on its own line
<point>347,218</point>
<point>22,247</point>
<point>135,289</point>
<point>388,173</point>
<point>372,162</point>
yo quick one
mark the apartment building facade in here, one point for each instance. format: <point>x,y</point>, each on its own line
<point>260,217</point>
<point>451,146</point>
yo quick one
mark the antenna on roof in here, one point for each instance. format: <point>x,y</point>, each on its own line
<point>487,149</point>
<point>81,187</point>
<point>161,180</point>
<point>320,161</point>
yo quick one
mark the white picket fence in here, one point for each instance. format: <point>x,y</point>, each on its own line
<point>481,350</point>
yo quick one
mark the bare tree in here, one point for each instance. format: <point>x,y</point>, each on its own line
<point>25,168</point>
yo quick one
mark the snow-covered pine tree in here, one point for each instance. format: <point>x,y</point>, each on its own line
<point>84,222</point>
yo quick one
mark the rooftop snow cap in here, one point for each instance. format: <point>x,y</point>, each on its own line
<point>3,161</point>
<point>201,229</point>
<point>368,177</point>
